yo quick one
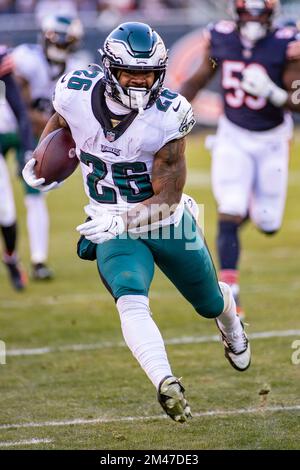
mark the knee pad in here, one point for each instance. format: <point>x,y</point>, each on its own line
<point>267,220</point>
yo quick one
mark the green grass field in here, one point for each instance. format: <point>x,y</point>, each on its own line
<point>85,390</point>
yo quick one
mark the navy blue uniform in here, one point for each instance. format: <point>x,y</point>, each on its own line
<point>16,103</point>
<point>254,114</point>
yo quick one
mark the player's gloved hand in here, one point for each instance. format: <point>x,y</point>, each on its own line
<point>102,227</point>
<point>24,158</point>
<point>257,82</point>
<point>32,180</point>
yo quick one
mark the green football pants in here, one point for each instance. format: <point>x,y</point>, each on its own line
<point>11,141</point>
<point>126,265</point>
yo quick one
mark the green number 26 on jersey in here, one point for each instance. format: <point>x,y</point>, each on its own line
<point>133,183</point>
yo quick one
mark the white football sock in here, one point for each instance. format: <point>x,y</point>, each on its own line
<point>37,226</point>
<point>143,337</point>
<point>229,318</point>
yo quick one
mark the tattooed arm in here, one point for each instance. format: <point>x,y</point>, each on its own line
<point>168,180</point>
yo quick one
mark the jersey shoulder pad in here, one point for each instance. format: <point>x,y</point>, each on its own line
<point>25,60</point>
<point>71,91</point>
<point>179,119</point>
<point>224,27</point>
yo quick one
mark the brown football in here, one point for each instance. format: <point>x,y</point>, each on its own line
<point>55,156</point>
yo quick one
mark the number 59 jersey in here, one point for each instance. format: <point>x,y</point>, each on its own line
<point>116,162</point>
<point>233,57</point>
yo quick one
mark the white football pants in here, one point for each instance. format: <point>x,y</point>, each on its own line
<point>250,172</point>
<point>37,226</point>
<point>7,204</point>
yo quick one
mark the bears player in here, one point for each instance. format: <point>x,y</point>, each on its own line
<point>130,138</point>
<point>8,222</point>
<point>250,154</point>
<point>37,67</point>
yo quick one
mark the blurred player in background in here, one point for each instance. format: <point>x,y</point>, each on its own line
<point>130,137</point>
<point>8,223</point>
<point>37,67</point>
<point>250,154</point>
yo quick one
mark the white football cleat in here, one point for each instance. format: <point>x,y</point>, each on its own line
<point>171,398</point>
<point>237,347</point>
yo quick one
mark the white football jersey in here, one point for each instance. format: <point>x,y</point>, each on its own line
<point>117,163</point>
<point>31,64</point>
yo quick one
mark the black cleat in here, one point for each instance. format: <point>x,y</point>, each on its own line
<point>41,272</point>
<point>17,275</point>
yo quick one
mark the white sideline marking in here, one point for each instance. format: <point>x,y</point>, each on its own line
<point>77,422</point>
<point>111,344</point>
<point>25,442</point>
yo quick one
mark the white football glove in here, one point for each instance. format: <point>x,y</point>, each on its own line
<point>32,180</point>
<point>257,82</point>
<point>102,227</point>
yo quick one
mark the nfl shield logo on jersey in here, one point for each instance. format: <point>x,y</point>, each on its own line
<point>110,136</point>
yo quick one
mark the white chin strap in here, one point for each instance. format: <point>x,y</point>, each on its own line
<point>136,98</point>
<point>253,31</point>
<point>56,54</point>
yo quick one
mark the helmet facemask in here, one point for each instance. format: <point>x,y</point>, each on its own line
<point>254,18</point>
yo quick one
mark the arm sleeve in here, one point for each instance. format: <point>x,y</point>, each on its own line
<point>24,65</point>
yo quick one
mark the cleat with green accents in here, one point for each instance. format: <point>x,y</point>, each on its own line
<point>171,398</point>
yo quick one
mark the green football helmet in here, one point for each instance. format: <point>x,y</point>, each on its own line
<point>60,36</point>
<point>137,47</point>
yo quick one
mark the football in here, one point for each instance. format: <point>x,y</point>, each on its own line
<point>55,156</point>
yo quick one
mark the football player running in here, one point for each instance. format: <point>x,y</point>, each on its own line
<point>8,221</point>
<point>250,154</point>
<point>37,67</point>
<point>130,138</point>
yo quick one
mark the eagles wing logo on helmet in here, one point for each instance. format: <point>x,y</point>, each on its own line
<point>134,47</point>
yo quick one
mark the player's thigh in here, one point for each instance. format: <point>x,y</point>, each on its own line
<point>232,177</point>
<point>184,258</point>
<point>126,266</point>
<point>269,197</point>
